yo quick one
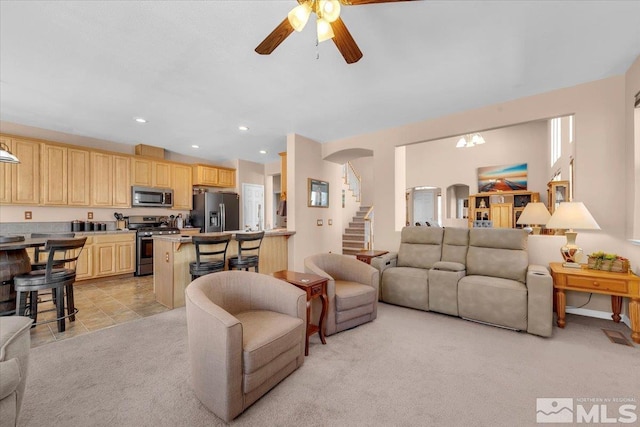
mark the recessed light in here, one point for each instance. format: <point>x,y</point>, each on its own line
<point>195,146</point>
<point>263,151</point>
<point>243,128</point>
<point>140,119</point>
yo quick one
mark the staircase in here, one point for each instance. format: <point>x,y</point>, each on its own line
<point>353,239</point>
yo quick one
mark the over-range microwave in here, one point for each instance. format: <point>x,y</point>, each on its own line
<point>151,197</point>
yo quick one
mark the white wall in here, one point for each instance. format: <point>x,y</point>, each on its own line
<point>601,161</point>
<point>632,138</point>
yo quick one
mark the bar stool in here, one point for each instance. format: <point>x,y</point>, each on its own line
<point>38,264</point>
<point>208,251</point>
<point>56,279</point>
<point>247,242</point>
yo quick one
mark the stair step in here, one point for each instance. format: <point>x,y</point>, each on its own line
<point>356,224</point>
<point>352,239</point>
<point>355,231</point>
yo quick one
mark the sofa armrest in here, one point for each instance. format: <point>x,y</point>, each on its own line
<point>448,266</point>
<point>540,301</point>
<point>9,377</point>
<point>385,261</point>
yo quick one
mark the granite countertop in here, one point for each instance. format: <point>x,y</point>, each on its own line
<point>177,238</point>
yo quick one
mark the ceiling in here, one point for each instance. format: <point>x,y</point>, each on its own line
<point>189,68</point>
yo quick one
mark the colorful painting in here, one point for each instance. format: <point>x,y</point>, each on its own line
<point>502,178</point>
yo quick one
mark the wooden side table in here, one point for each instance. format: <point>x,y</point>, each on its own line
<point>316,287</point>
<point>618,285</point>
<point>365,256</point>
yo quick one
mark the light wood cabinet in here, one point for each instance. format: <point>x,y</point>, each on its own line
<point>78,164</point>
<point>212,176</point>
<point>502,208</point>
<point>25,176</point>
<point>226,177</point>
<point>5,174</point>
<point>182,189</point>
<point>283,175</point>
<point>141,172</point>
<point>161,175</point>
<point>54,169</point>
<point>106,255</point>
<point>502,215</point>
<point>121,182</point>
<point>110,180</point>
<point>557,192</point>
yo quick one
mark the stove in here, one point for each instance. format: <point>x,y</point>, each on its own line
<point>146,227</point>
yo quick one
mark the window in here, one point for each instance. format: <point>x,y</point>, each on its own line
<point>556,140</point>
<point>570,129</point>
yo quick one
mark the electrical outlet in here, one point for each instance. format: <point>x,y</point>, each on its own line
<point>27,215</point>
<point>319,223</point>
<point>89,215</point>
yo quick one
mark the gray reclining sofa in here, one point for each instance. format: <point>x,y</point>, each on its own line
<point>480,274</point>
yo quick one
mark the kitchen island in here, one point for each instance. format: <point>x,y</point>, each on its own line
<point>173,253</point>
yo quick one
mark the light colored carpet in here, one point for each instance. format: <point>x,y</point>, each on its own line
<point>407,368</point>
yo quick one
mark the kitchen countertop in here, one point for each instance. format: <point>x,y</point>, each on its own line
<point>177,238</point>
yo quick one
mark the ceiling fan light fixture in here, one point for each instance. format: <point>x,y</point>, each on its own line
<point>299,15</point>
<point>325,32</point>
<point>329,10</point>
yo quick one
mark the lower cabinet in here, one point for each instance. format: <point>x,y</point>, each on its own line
<point>107,255</point>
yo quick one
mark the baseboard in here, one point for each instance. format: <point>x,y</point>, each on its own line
<point>597,314</point>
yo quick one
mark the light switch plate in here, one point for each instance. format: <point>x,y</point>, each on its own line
<point>89,215</point>
<point>27,215</point>
<point>319,223</point>
<point>330,222</point>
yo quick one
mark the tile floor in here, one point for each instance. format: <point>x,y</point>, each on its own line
<point>101,304</point>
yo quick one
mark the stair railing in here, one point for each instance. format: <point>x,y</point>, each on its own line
<point>368,229</point>
<point>352,179</point>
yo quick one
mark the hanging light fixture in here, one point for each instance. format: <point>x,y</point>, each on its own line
<point>6,156</point>
<point>326,10</point>
<point>299,15</point>
<point>470,140</point>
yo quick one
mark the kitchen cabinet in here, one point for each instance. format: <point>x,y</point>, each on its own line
<point>106,255</point>
<point>110,180</point>
<point>283,175</point>
<point>182,189</point>
<point>25,176</point>
<point>54,175</point>
<point>161,174</point>
<point>212,176</point>
<point>141,172</point>
<point>5,174</point>
<point>78,163</point>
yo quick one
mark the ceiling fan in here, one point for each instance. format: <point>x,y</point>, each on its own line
<point>329,26</point>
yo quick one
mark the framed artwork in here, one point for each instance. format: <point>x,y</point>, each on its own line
<point>318,193</point>
<point>502,178</point>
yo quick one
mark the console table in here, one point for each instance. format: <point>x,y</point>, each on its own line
<point>618,285</point>
<point>315,287</point>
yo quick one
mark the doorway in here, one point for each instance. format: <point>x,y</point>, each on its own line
<point>253,207</point>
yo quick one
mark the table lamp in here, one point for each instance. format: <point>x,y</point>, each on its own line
<point>570,215</point>
<point>534,214</point>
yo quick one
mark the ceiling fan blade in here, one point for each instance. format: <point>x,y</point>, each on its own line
<point>344,42</point>
<point>277,36</point>
<point>359,2</point>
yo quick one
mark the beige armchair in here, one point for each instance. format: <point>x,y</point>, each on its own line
<point>15,340</point>
<point>246,334</point>
<point>352,290</point>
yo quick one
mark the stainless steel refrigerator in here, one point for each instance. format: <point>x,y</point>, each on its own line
<point>216,212</point>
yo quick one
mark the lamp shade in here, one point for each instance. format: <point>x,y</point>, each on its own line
<point>325,32</point>
<point>535,213</point>
<point>329,9</point>
<point>572,215</point>
<point>6,156</point>
<point>299,16</point>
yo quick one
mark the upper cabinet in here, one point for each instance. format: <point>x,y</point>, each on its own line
<point>214,176</point>
<point>141,172</point>
<point>21,182</point>
<point>78,164</point>
<point>161,174</point>
<point>182,190</point>
<point>110,180</point>
<point>55,182</point>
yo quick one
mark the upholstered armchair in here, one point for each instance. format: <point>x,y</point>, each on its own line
<point>246,334</point>
<point>15,340</point>
<point>352,290</point>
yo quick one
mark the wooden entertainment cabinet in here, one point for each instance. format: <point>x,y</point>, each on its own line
<point>503,208</point>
